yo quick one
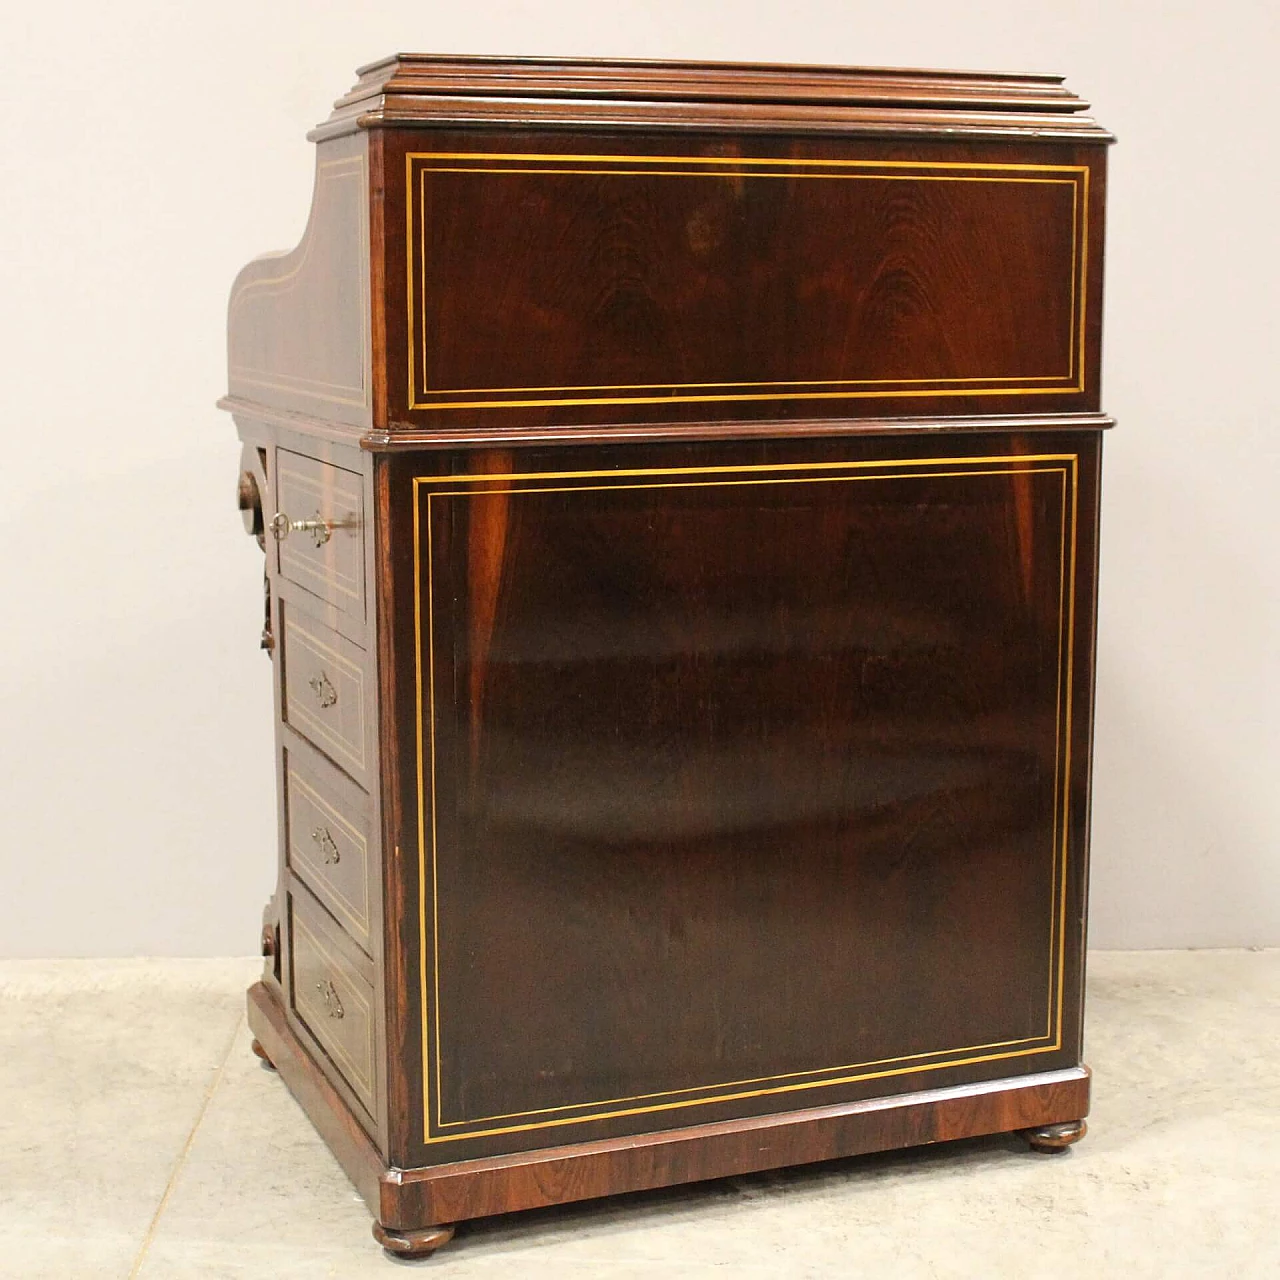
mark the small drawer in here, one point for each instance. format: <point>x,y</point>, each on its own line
<point>333,999</point>
<point>326,555</point>
<point>327,820</point>
<point>326,693</point>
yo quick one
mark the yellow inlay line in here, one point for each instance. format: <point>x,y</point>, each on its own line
<point>743,160</point>
<point>817,472</point>
<point>281,380</point>
<point>909,387</point>
<point>1066,787</point>
<point>746,468</point>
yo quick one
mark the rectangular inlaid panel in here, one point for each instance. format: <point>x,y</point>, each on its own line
<point>333,999</point>
<point>538,279</point>
<point>740,784</point>
<point>327,562</point>
<point>328,846</point>
<point>325,694</point>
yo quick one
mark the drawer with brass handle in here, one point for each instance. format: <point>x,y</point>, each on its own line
<point>326,694</point>
<point>333,999</point>
<point>327,820</point>
<point>318,527</point>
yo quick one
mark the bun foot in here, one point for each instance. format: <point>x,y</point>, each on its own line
<point>262,1053</point>
<point>412,1244</point>
<point>1052,1138</point>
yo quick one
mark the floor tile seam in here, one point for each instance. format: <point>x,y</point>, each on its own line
<point>185,1153</point>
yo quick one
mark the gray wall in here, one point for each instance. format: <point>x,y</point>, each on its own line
<point>151,148</point>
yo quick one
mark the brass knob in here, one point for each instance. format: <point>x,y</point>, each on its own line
<point>249,500</point>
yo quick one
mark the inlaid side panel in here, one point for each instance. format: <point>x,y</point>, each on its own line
<point>712,757</point>
<point>298,323</point>
<point>572,281</point>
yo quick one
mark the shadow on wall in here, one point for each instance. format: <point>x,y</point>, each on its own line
<point>1185,817</point>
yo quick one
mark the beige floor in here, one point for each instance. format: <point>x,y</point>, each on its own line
<point>139,1137</point>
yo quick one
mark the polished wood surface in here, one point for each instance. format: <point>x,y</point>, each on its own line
<point>1051,1139</point>
<point>721,746</point>
<point>411,89</point>
<point>681,529</point>
<point>403,1200</point>
<point>870,274</point>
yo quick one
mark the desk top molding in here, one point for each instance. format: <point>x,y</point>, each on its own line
<point>448,90</point>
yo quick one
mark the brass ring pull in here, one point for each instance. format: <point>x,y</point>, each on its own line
<point>320,530</point>
<point>327,844</point>
<point>329,994</point>
<point>322,687</point>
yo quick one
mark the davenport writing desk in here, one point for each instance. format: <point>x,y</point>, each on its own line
<point>679,485</point>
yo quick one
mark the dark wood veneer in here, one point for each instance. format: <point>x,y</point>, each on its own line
<point>688,484</point>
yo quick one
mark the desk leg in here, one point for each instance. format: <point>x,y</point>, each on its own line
<point>412,1244</point>
<point>1053,1138</point>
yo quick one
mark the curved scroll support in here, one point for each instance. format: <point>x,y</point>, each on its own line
<point>298,322</point>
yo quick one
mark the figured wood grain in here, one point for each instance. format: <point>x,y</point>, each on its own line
<point>880,280</point>
<point>416,89</point>
<point>407,1200</point>
<point>479,1188</point>
<point>639,274</point>
<point>559,820</point>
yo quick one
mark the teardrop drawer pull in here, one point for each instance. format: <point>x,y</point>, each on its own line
<point>329,994</point>
<point>322,687</point>
<point>327,844</point>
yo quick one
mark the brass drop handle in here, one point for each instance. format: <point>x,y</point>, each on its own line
<point>329,994</point>
<point>322,687</point>
<point>328,845</point>
<point>320,530</point>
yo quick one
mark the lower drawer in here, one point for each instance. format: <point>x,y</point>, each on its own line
<point>326,697</point>
<point>332,998</point>
<point>327,818</point>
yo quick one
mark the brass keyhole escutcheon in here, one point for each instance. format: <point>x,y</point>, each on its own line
<point>320,529</point>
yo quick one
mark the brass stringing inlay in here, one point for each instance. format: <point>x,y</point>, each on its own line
<point>423,396</point>
<point>1065,466</point>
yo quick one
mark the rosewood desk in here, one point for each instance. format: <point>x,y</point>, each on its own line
<point>679,485</point>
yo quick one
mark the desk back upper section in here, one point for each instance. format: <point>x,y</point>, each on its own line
<point>528,245</point>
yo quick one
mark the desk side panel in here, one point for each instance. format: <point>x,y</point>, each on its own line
<point>299,323</point>
<point>715,801</point>
<point>571,278</point>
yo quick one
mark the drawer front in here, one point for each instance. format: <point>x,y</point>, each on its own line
<point>328,560</point>
<point>325,693</point>
<point>328,825</point>
<point>333,999</point>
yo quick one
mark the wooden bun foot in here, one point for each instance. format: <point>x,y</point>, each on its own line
<point>1053,1138</point>
<point>412,1244</point>
<point>262,1053</point>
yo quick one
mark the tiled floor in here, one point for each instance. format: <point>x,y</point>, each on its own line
<point>139,1137</point>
